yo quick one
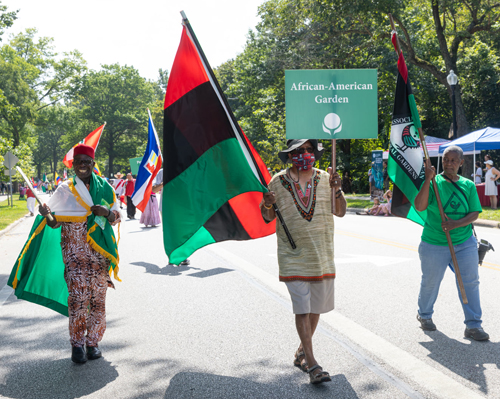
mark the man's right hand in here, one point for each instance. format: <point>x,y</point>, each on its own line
<point>44,209</point>
<point>430,171</point>
<point>269,198</point>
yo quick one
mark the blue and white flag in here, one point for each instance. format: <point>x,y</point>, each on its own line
<point>150,165</point>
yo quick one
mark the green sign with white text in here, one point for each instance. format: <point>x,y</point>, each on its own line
<point>331,104</point>
<point>134,165</point>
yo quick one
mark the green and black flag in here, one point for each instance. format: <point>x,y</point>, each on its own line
<point>406,164</point>
<point>213,178</point>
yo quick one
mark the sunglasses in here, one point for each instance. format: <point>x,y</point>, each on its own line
<point>301,151</point>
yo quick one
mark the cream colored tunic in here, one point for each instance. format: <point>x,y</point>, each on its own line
<point>311,227</point>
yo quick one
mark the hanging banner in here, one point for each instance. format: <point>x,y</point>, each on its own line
<point>331,104</point>
<point>378,169</point>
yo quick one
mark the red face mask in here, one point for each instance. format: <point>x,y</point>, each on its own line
<point>303,161</point>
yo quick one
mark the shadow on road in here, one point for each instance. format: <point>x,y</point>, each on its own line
<point>202,385</point>
<point>32,368</point>
<point>57,379</point>
<point>467,360</point>
<point>168,270</point>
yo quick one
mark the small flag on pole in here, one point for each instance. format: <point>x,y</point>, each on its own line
<point>65,174</point>
<point>150,165</point>
<point>406,164</point>
<point>92,140</point>
<point>96,170</point>
<point>58,179</point>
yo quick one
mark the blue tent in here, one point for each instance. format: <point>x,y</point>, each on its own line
<point>484,139</point>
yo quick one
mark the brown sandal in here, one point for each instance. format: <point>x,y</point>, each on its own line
<point>300,361</point>
<point>320,376</point>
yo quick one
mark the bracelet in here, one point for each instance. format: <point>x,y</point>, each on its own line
<point>109,213</point>
<point>338,194</point>
<point>267,207</point>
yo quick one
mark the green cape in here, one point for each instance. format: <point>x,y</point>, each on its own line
<point>38,274</point>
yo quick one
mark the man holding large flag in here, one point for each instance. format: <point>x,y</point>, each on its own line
<point>303,194</point>
<point>414,199</point>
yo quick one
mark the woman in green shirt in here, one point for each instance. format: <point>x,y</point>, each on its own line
<point>462,207</point>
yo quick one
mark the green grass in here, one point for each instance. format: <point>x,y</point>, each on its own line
<point>9,215</point>
<point>357,203</point>
<point>489,214</point>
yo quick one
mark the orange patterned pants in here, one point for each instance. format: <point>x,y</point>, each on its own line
<point>86,275</point>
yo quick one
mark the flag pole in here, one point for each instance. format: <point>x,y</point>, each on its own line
<point>229,112</point>
<point>436,191</point>
<point>334,169</point>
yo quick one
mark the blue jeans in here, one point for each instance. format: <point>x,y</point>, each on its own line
<point>434,261</point>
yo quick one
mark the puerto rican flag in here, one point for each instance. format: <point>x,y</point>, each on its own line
<point>150,165</point>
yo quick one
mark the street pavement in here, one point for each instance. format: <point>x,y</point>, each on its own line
<point>222,327</point>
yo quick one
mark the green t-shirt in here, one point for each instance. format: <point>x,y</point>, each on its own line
<point>455,206</point>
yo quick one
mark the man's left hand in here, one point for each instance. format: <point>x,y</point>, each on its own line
<point>449,224</point>
<point>335,181</point>
<point>99,210</point>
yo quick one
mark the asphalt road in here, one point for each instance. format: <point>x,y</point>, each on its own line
<point>222,327</point>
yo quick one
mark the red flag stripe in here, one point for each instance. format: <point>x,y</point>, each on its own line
<point>187,71</point>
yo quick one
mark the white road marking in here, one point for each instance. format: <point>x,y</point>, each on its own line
<point>5,293</point>
<point>418,371</point>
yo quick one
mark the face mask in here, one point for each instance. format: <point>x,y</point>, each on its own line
<point>303,161</point>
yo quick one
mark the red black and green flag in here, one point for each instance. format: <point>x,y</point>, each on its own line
<point>213,177</point>
<point>406,164</point>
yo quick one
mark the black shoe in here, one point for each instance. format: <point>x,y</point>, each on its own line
<point>426,324</point>
<point>186,262</point>
<point>477,334</point>
<point>78,354</point>
<point>93,352</point>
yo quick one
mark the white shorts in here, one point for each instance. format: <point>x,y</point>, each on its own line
<point>312,297</point>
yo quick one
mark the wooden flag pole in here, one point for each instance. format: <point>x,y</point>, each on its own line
<point>334,168</point>
<point>438,198</point>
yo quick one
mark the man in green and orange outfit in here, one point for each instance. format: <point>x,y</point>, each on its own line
<point>84,209</point>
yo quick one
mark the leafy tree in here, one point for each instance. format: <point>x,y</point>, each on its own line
<point>119,96</point>
<point>6,18</point>
<point>31,79</point>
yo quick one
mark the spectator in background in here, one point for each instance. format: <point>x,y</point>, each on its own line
<point>478,176</point>
<point>385,209</point>
<point>386,177</point>
<point>129,190</point>
<point>30,201</point>
<point>22,191</point>
<point>490,178</point>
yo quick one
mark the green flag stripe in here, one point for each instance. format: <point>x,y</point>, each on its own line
<point>192,197</point>
<point>200,239</point>
<point>414,112</point>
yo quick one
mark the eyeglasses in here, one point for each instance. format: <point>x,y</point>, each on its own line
<point>82,161</point>
<point>302,150</point>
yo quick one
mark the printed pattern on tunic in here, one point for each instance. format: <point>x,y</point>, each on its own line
<point>87,277</point>
<point>313,257</point>
<point>307,212</point>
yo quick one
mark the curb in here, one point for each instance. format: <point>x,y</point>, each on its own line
<point>14,224</point>
<point>478,222</point>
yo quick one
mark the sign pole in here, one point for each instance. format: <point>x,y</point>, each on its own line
<point>334,169</point>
